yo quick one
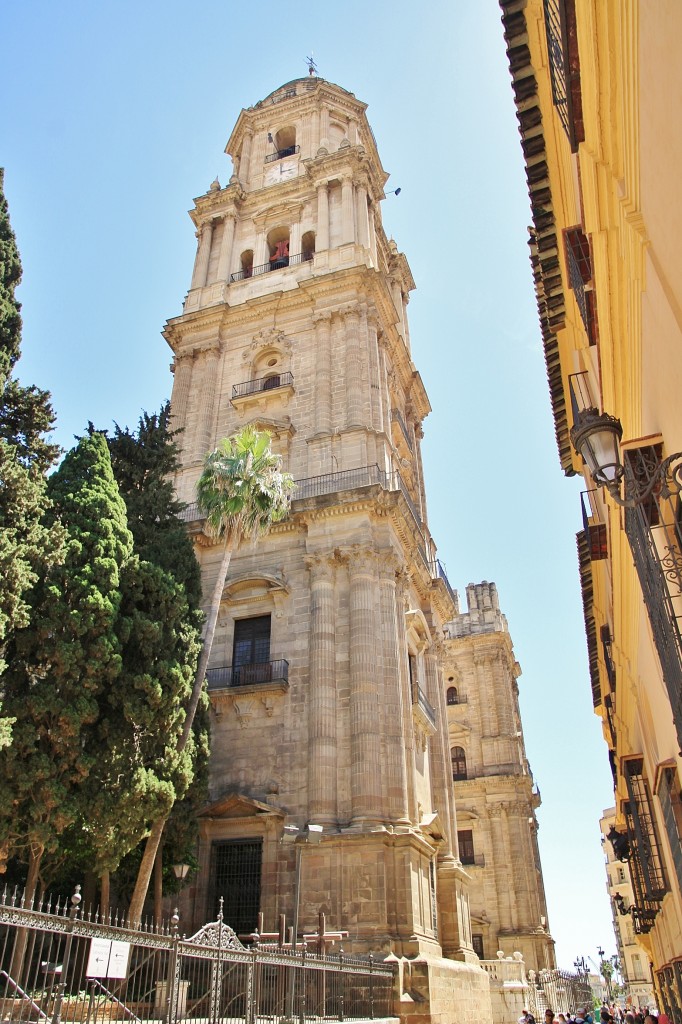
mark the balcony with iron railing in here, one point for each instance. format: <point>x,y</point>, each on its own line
<point>308,488</point>
<point>564,66</point>
<point>279,154</point>
<point>274,382</point>
<point>227,677</point>
<point>397,417</point>
<point>473,859</point>
<point>579,263</point>
<point>421,701</point>
<point>276,263</point>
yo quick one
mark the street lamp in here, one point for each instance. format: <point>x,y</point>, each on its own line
<point>596,438</point>
<point>181,871</point>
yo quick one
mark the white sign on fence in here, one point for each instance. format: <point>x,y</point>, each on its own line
<point>108,959</point>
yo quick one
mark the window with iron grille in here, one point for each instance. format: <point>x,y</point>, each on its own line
<point>564,65</point>
<point>477,943</point>
<point>646,867</point>
<point>465,842</point>
<point>434,898</point>
<point>236,876</point>
<point>459,763</point>
<point>655,536</point>
<point>452,695</point>
<point>669,795</point>
<point>580,277</point>
<point>251,641</point>
<point>607,650</point>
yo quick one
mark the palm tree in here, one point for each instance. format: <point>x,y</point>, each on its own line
<point>242,491</point>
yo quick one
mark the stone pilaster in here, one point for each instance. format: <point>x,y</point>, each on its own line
<point>362,216</point>
<point>347,218</point>
<point>322,235</point>
<point>365,713</point>
<point>245,161</point>
<point>322,744</point>
<point>209,375</point>
<point>314,133</point>
<point>375,389</point>
<point>324,124</point>
<point>441,783</point>
<point>225,258</point>
<point>295,234</point>
<point>182,383</point>
<point>354,402</point>
<point>260,253</point>
<point>395,769</point>
<point>497,828</point>
<point>203,255</point>
<point>323,390</point>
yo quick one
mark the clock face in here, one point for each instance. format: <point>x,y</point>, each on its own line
<point>281,171</point>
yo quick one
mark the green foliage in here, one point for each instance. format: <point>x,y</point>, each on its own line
<point>144,463</point>
<point>242,489</point>
<point>66,656</point>
<point>10,276</point>
<point>27,545</point>
<point>140,773</point>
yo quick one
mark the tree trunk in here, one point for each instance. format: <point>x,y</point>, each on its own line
<point>209,633</point>
<point>105,898</point>
<point>21,938</point>
<point>154,839</point>
<point>158,885</point>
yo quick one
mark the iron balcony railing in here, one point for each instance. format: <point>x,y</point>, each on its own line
<point>254,387</point>
<point>440,574</point>
<point>281,153</point>
<point>419,699</point>
<point>228,676</point>
<point>398,417</point>
<point>564,69</point>
<point>579,261</point>
<point>473,859</point>
<point>276,263</point>
<point>457,698</point>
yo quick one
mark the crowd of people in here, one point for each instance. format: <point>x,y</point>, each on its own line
<point>612,1014</point>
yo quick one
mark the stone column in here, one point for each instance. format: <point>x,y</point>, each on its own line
<point>295,235</point>
<point>375,396</point>
<point>324,125</point>
<point>373,237</point>
<point>347,225</point>
<point>509,858</point>
<point>314,133</point>
<point>245,162</point>
<point>482,670</point>
<point>394,762</point>
<point>365,714</point>
<point>441,776</point>
<point>203,254</point>
<point>225,258</point>
<point>260,253</point>
<point>322,235</point>
<point>403,582</point>
<point>323,395</point>
<point>206,402</point>
<point>353,369</point>
<point>362,216</point>
<point>322,772</point>
<point>181,388</point>
<point>500,861</point>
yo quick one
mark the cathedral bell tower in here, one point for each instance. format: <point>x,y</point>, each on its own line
<point>327,705</point>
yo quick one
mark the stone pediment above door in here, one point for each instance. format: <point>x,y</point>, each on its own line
<point>236,805</point>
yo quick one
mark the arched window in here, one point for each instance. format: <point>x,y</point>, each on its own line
<point>459,764</point>
<point>271,382</point>
<point>285,141</point>
<point>452,695</point>
<point>278,247</point>
<point>246,259</point>
<point>308,246</point>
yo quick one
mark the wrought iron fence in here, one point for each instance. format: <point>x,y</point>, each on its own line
<point>562,991</point>
<point>59,965</point>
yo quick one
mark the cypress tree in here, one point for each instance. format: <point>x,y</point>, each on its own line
<point>64,659</point>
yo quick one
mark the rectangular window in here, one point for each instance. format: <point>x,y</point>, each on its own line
<point>637,966</point>
<point>646,867</point>
<point>236,877</point>
<point>251,641</point>
<point>669,795</point>
<point>465,842</point>
<point>477,943</point>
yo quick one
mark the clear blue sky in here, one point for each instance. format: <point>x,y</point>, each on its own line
<point>115,115</point>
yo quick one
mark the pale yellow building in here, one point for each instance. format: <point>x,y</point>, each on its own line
<point>330,783</point>
<point>597,84</point>
<point>495,795</point>
<point>634,965</point>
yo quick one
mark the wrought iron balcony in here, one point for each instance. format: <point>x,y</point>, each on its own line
<point>420,700</point>
<point>456,698</point>
<point>647,874</point>
<point>281,153</point>
<point>276,263</point>
<point>255,387</point>
<point>579,262</point>
<point>397,417</point>
<point>259,673</point>
<point>564,65</point>
<point>595,531</point>
<point>473,859</point>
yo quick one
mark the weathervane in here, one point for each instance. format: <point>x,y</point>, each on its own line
<point>312,66</point>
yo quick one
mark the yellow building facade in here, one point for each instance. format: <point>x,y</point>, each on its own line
<point>596,84</point>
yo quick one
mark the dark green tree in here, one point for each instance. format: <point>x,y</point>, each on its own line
<point>27,545</point>
<point>65,658</point>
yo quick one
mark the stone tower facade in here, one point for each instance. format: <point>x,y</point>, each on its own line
<point>494,791</point>
<point>327,705</point>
